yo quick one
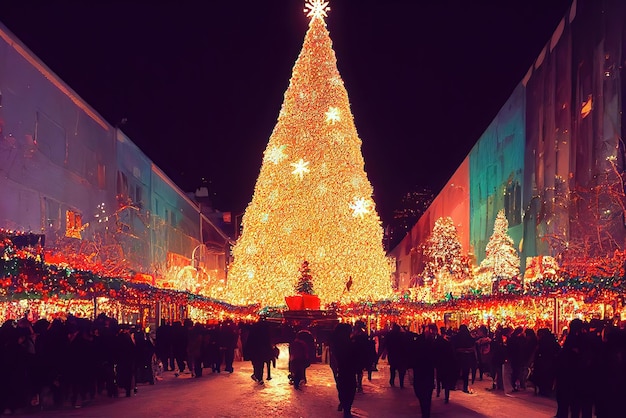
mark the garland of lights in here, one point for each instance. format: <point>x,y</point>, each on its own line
<point>25,275</point>
<point>32,280</point>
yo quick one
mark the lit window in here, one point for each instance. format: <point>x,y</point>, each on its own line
<point>73,224</point>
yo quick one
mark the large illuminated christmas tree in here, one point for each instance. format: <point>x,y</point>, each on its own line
<point>312,200</point>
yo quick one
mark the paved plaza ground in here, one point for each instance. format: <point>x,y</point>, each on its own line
<point>236,395</point>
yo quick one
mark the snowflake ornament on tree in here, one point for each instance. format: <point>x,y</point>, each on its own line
<point>360,207</point>
<point>316,9</point>
<point>300,168</point>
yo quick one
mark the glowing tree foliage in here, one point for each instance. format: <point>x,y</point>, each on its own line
<point>443,251</point>
<point>312,199</point>
<point>501,257</point>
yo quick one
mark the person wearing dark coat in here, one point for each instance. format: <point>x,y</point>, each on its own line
<point>179,346</point>
<point>81,362</point>
<point>228,342</point>
<point>298,360</point>
<point>306,336</point>
<point>39,378</point>
<point>361,345</point>
<point>52,347</point>
<point>595,344</point>
<point>516,349</point>
<point>26,330</point>
<point>125,361</point>
<point>423,364</point>
<point>13,360</point>
<point>446,366</point>
<point>372,357</point>
<point>344,367</point>
<point>163,345</point>
<point>144,354</point>
<point>213,349</point>
<point>465,349</point>
<point>258,348</point>
<point>396,347</point>
<point>611,373</point>
<point>542,375</point>
<point>106,352</point>
<point>529,349</point>
<point>483,356</point>
<point>498,357</point>
<point>573,386</point>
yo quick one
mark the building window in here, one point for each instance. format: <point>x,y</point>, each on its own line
<point>122,188</point>
<point>53,214</point>
<point>138,196</point>
<point>102,176</point>
<point>50,139</point>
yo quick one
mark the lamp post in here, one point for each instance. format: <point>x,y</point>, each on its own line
<point>195,264</point>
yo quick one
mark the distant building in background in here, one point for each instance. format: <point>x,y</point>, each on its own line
<point>412,205</point>
<point>553,157</point>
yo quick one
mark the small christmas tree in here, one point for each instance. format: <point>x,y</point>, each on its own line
<point>305,282</point>
<point>447,269</point>
<point>443,251</point>
<point>501,260</point>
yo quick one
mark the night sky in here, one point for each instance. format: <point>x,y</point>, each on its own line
<point>198,84</point>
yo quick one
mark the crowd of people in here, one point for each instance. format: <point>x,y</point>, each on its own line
<point>584,369</point>
<point>49,364</point>
<point>196,346</point>
<point>72,360</point>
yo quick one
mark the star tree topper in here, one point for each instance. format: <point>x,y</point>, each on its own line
<point>316,9</point>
